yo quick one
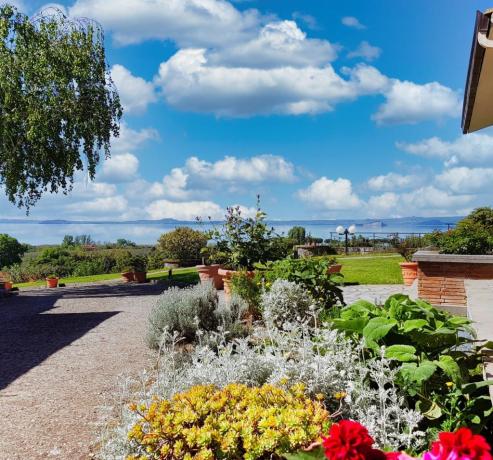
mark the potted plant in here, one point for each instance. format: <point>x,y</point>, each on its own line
<point>139,268</point>
<point>245,241</point>
<point>334,267</point>
<point>128,275</point>
<point>52,281</point>
<point>409,268</point>
<point>213,256</point>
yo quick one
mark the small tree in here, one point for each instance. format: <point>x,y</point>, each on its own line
<point>58,105</point>
<point>183,244</point>
<point>297,234</point>
<point>11,251</point>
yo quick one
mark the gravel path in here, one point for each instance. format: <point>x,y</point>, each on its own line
<point>61,353</point>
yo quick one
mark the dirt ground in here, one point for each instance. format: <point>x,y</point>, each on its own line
<point>61,354</point>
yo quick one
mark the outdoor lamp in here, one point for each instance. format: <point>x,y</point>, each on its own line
<point>346,232</point>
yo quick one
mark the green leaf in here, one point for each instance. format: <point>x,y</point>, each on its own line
<point>418,374</point>
<point>350,325</point>
<point>470,388</point>
<point>378,328</point>
<point>459,320</point>
<point>412,324</point>
<point>431,410</point>
<point>401,353</point>
<point>448,365</point>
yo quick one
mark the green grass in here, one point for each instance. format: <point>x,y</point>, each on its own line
<point>187,275</point>
<point>371,269</point>
<point>375,269</point>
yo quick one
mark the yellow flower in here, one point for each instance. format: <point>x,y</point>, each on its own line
<point>340,395</point>
<point>236,421</point>
<point>450,384</point>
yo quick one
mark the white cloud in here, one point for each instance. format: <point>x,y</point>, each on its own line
<point>393,181</point>
<point>189,82</point>
<point>466,180</point>
<point>135,92</point>
<point>186,22</point>
<point>184,210</point>
<point>131,139</point>
<point>470,149</point>
<point>408,102</point>
<point>366,51</point>
<point>199,176</point>
<point>328,195</point>
<point>114,204</point>
<point>309,20</point>
<point>278,44</point>
<point>120,168</point>
<point>423,201</point>
<point>351,21</point>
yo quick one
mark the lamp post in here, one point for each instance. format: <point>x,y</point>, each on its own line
<point>351,230</point>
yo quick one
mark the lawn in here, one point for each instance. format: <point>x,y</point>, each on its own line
<point>188,275</point>
<point>371,269</point>
<point>378,269</point>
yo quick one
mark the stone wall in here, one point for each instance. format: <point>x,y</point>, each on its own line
<point>441,276</point>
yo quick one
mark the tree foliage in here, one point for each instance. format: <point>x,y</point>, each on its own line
<point>298,234</point>
<point>11,251</point>
<point>183,244</point>
<point>58,106</point>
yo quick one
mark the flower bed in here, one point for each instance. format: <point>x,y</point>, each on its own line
<point>404,370</point>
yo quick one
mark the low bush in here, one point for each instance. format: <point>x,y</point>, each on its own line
<point>312,274</point>
<point>286,302</point>
<point>185,311</point>
<point>438,362</point>
<point>247,288</point>
<point>234,422</point>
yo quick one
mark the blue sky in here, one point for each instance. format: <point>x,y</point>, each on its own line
<point>327,109</point>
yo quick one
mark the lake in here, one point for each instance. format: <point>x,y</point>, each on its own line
<point>148,232</point>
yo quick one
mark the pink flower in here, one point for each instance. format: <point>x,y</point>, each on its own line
<point>461,445</point>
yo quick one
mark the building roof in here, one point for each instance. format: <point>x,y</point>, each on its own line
<point>477,112</point>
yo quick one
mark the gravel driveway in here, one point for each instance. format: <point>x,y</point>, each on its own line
<point>61,352</point>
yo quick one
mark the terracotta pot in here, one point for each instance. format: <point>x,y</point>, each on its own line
<point>210,273</point>
<point>226,276</point>
<point>140,277</point>
<point>128,276</point>
<point>51,282</point>
<point>336,268</point>
<point>8,285</point>
<point>409,272</point>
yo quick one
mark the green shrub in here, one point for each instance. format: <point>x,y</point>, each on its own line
<point>312,274</point>
<point>247,288</point>
<point>286,302</point>
<point>438,361</point>
<point>185,311</point>
<point>11,251</point>
<point>183,244</point>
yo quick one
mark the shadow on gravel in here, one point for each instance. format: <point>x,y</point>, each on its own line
<point>28,337</point>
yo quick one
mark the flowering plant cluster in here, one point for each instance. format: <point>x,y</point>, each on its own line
<point>349,440</point>
<point>206,423</point>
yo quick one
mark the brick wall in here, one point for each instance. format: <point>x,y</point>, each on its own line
<point>442,283</point>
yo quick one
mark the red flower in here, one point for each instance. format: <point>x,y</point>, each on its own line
<point>350,440</point>
<point>461,445</point>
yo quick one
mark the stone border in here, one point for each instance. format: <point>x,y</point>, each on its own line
<point>434,256</point>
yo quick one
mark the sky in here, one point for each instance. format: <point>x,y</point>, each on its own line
<point>327,109</point>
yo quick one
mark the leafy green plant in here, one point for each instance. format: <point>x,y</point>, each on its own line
<point>247,287</point>
<point>246,241</point>
<point>437,357</point>
<point>183,244</point>
<point>312,274</point>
